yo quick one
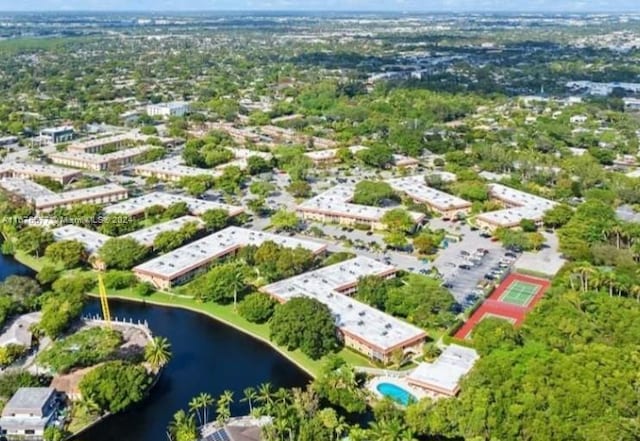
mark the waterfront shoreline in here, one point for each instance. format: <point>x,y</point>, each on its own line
<point>216,318</point>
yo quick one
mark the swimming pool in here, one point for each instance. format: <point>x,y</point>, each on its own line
<point>396,393</point>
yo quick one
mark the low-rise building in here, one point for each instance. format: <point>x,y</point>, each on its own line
<point>246,428</point>
<point>519,206</point>
<point>443,375</point>
<point>56,135</point>
<point>137,206</point>
<point>92,240</point>
<point>172,169</point>
<point>25,189</point>
<point>102,194</point>
<point>111,142</point>
<point>184,263</point>
<point>19,332</point>
<point>361,327</point>
<point>334,206</point>
<point>29,412</point>
<point>443,203</point>
<point>23,170</point>
<point>166,110</point>
<point>148,235</point>
<point>96,162</point>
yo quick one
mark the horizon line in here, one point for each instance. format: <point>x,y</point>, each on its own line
<point>342,11</point>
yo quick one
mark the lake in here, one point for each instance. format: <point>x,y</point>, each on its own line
<point>207,357</point>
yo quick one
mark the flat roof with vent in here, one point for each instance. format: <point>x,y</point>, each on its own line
<point>91,240</point>
<point>416,188</point>
<point>196,254</point>
<point>522,206</point>
<point>135,206</point>
<point>147,236</point>
<point>336,202</point>
<point>378,329</point>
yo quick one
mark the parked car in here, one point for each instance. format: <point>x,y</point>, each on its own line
<point>465,267</point>
<point>510,254</point>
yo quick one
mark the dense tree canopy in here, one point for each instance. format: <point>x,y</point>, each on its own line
<point>306,324</point>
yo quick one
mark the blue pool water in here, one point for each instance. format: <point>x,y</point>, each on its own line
<point>397,394</point>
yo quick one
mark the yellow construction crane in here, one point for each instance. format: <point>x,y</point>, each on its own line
<point>106,315</point>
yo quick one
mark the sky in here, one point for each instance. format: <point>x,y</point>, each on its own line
<point>325,5</point>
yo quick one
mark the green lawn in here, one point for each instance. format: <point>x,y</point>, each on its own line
<point>35,263</point>
<point>227,315</point>
<point>223,313</point>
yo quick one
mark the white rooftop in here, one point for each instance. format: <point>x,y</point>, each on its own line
<point>335,201</point>
<point>447,371</point>
<point>147,235</point>
<point>91,240</point>
<point>358,319</point>
<point>26,189</point>
<point>96,158</point>
<point>196,254</point>
<point>19,331</point>
<point>51,171</point>
<point>174,166</point>
<point>416,188</point>
<point>137,205</point>
<point>524,206</point>
<point>72,196</point>
<point>106,140</point>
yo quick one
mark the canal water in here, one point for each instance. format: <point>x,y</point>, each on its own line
<point>207,357</point>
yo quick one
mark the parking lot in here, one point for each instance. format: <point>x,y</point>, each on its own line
<point>462,282</point>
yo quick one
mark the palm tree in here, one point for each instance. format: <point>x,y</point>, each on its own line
<point>250,394</point>
<point>88,405</point>
<point>200,405</point>
<point>236,284</point>
<point>265,393</point>
<point>224,406</point>
<point>206,401</point>
<point>194,407</point>
<point>158,352</point>
<point>182,428</point>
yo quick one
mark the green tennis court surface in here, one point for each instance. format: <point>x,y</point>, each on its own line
<point>520,293</point>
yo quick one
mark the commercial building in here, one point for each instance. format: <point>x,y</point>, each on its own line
<point>184,263</point>
<point>91,240</point>
<point>137,206</point>
<point>32,171</point>
<point>440,202</point>
<point>102,194</point>
<point>57,135</point>
<point>361,327</point>
<point>148,235</point>
<point>97,162</point>
<point>443,376</point>
<point>520,205</point>
<point>29,412</point>
<point>166,110</point>
<point>334,206</point>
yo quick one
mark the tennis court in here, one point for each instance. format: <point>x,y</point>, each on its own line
<point>511,301</point>
<point>520,293</point>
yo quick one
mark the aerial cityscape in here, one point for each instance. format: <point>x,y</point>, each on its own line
<point>319,221</point>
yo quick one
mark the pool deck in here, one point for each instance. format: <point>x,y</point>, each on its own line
<point>400,382</point>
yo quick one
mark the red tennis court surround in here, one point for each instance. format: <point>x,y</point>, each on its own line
<point>493,306</point>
